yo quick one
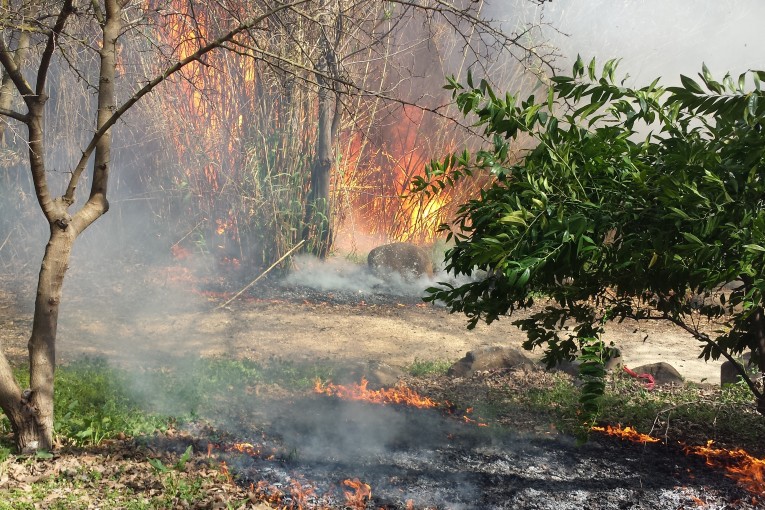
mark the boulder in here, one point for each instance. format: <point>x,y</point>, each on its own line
<point>730,375</point>
<point>405,259</point>
<point>488,358</point>
<point>663,373</point>
<point>378,374</point>
<point>572,367</point>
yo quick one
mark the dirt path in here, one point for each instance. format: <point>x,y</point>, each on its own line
<point>142,327</point>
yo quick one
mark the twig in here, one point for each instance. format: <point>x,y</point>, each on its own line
<point>6,238</point>
<point>188,234</point>
<point>264,273</point>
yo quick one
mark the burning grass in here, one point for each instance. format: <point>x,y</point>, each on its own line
<point>99,405</point>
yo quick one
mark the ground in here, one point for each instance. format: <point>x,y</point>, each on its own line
<point>150,316</point>
<point>161,313</point>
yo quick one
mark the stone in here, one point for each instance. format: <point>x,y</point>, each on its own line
<point>663,373</point>
<point>488,358</point>
<point>730,375</point>
<point>572,367</point>
<point>405,259</point>
<point>377,373</point>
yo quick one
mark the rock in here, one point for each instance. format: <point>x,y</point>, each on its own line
<point>663,373</point>
<point>572,367</point>
<point>379,374</point>
<point>729,374</point>
<point>488,358</point>
<point>405,259</point>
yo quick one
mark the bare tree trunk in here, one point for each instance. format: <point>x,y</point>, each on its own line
<point>318,217</point>
<point>36,431</point>
<point>757,330</point>
<point>318,220</point>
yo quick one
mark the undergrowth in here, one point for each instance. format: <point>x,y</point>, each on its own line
<point>95,401</point>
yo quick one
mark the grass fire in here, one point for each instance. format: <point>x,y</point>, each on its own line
<point>335,254</point>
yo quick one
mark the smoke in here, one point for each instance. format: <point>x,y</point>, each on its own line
<point>338,274</point>
<point>654,38</point>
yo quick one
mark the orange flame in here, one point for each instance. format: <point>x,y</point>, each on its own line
<point>626,433</point>
<point>748,471</point>
<point>358,497</point>
<point>401,394</point>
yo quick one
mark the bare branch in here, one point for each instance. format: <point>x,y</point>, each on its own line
<point>21,117</point>
<point>50,46</point>
<point>8,62</point>
<point>196,56</point>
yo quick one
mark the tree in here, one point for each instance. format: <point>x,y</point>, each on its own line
<point>30,410</point>
<point>638,203</point>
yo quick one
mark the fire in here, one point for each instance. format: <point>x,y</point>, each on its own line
<point>626,433</point>
<point>745,469</point>
<point>359,495</point>
<point>401,394</point>
<point>748,471</point>
<point>252,450</point>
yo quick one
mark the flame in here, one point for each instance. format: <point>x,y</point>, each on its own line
<point>746,470</point>
<point>401,394</point>
<point>627,433</point>
<point>359,495</point>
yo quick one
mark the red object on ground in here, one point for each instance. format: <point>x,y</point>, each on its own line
<point>650,383</point>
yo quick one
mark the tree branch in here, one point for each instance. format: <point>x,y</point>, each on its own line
<point>196,56</point>
<point>8,62</point>
<point>704,337</point>
<point>50,46</point>
<point>21,117</point>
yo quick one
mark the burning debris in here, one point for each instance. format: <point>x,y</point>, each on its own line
<point>394,449</point>
<point>401,394</point>
<point>737,464</point>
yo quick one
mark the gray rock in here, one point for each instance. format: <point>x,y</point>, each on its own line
<point>488,358</point>
<point>407,260</point>
<point>572,367</point>
<point>730,375</point>
<point>663,373</point>
<point>379,374</point>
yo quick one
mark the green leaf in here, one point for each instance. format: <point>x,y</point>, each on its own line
<point>515,218</point>
<point>691,85</point>
<point>579,67</point>
<point>692,238</point>
<point>754,247</point>
<point>523,278</point>
<point>158,465</point>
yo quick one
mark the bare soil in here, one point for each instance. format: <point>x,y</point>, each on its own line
<point>149,314</point>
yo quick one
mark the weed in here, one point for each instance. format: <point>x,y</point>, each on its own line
<point>421,368</point>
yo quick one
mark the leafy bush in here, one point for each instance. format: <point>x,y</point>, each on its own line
<point>629,201</point>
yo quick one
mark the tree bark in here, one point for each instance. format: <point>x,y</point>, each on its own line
<point>318,217</point>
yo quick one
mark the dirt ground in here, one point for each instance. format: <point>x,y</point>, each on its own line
<point>150,315</point>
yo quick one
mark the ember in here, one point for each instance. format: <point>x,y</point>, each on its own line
<point>401,394</point>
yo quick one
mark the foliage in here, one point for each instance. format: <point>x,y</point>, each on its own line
<point>629,201</point>
<point>94,401</point>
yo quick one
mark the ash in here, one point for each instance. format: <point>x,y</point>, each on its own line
<point>434,460</point>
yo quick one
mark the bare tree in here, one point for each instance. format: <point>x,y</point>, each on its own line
<point>362,66</point>
<point>51,26</point>
<point>40,37</point>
